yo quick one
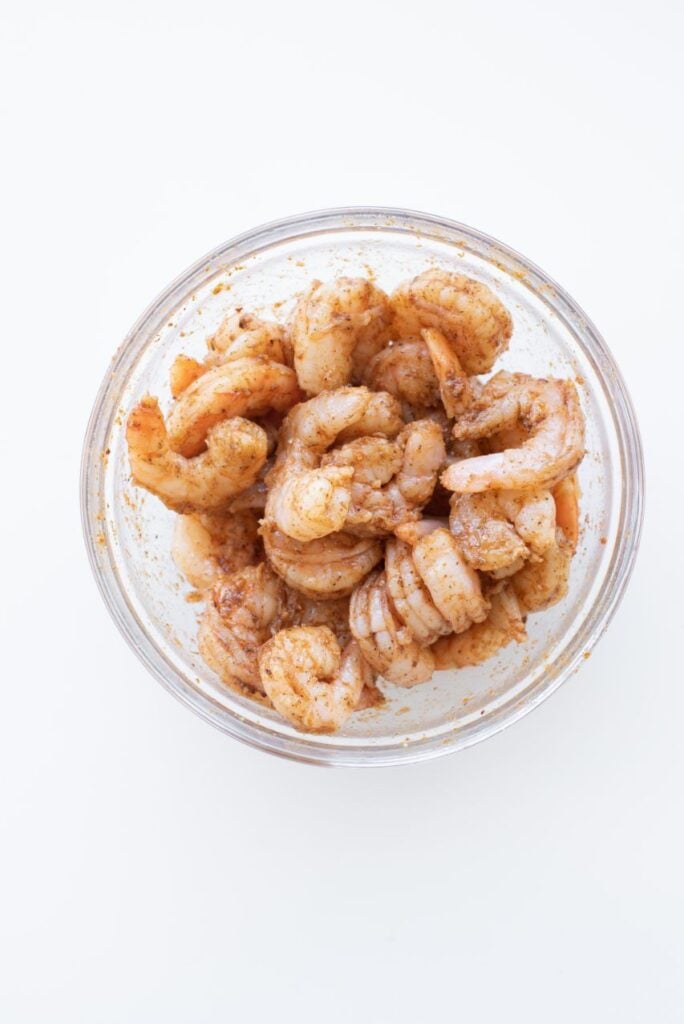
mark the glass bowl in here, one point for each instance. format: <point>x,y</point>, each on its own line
<point>128,532</point>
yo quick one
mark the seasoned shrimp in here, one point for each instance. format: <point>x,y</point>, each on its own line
<point>184,371</point>
<point>306,500</point>
<point>392,479</point>
<point>242,334</point>
<point>326,568</point>
<point>309,681</point>
<point>410,597</point>
<point>504,624</point>
<point>385,643</point>
<point>306,611</point>
<point>476,325</point>
<point>207,547</point>
<point>548,409</point>
<point>250,386</point>
<point>454,586</point>
<point>236,451</point>
<point>543,583</point>
<point>405,370</point>
<point>454,386</point>
<point>336,330</point>
<point>566,498</point>
<point>238,335</point>
<point>243,614</point>
<point>487,538</point>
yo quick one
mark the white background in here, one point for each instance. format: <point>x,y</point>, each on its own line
<point>156,871</point>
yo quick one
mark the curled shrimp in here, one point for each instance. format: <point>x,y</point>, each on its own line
<point>391,479</point>
<point>250,386</point>
<point>238,335</point>
<point>454,387</point>
<point>236,451</point>
<point>548,409</point>
<point>410,597</point>
<point>306,500</point>
<point>499,530</point>
<point>313,684</point>
<point>207,547</point>
<point>476,325</point>
<point>243,614</point>
<point>504,624</point>
<point>454,586</point>
<point>405,370</point>
<point>336,329</point>
<point>544,582</point>
<point>307,611</point>
<point>242,334</point>
<point>325,568</point>
<point>385,642</point>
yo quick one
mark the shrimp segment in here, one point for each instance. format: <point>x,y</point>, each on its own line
<point>504,624</point>
<point>308,500</point>
<point>391,479</point>
<point>488,540</point>
<point>243,614</point>
<point>543,583</point>
<point>243,334</point>
<point>309,681</point>
<point>387,645</point>
<point>249,386</point>
<point>208,547</point>
<point>236,451</point>
<point>454,387</point>
<point>411,598</point>
<point>475,324</point>
<point>336,329</point>
<point>548,409</point>
<point>454,586</point>
<point>326,568</point>
<point>405,370</point>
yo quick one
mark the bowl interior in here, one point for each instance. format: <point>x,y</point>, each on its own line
<point>130,531</point>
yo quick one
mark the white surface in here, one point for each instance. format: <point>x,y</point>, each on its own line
<point>153,870</point>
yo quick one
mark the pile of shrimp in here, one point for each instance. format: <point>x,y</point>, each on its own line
<point>358,496</point>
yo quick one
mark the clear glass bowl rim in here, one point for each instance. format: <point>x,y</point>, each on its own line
<point>133,630</point>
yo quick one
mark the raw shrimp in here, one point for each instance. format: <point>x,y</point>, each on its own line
<point>306,611</point>
<point>543,583</point>
<point>243,614</point>
<point>548,409</point>
<point>208,547</point>
<point>385,643</point>
<point>566,498</point>
<point>476,325</point>
<point>242,334</point>
<point>250,386</point>
<point>454,586</point>
<point>498,530</point>
<point>184,372</point>
<point>307,501</point>
<point>504,624</point>
<point>236,451</point>
<point>336,330</point>
<point>392,479</point>
<point>238,335</point>
<point>484,534</point>
<point>454,386</point>
<point>309,681</point>
<point>326,568</point>
<point>405,370</point>
<point>410,597</point>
